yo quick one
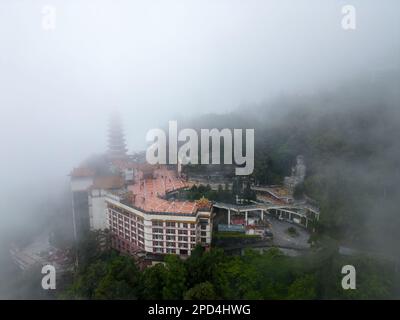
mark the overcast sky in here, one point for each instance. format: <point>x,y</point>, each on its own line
<point>157,59</point>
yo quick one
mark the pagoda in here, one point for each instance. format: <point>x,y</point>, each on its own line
<point>116,139</point>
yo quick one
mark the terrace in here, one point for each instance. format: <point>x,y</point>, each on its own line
<point>148,194</point>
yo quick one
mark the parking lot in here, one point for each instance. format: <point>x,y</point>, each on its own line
<point>284,239</point>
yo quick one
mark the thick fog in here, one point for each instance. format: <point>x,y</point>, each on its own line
<point>156,61</point>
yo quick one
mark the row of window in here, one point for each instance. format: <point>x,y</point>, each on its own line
<point>180,239</point>
<point>171,250</point>
<point>173,238</point>
<point>124,246</point>
<point>125,217</point>
<point>173,231</point>
<point>160,223</point>
<point>156,235</point>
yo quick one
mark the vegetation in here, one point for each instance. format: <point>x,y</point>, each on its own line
<point>214,275</point>
<point>222,194</point>
<point>232,234</point>
<point>292,232</point>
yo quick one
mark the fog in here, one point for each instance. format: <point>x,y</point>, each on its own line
<point>156,61</point>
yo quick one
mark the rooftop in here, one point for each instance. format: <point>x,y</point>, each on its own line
<point>147,193</point>
<point>108,182</point>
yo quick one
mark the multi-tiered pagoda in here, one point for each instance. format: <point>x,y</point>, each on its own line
<point>116,140</point>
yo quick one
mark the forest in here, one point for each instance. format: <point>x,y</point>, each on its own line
<point>104,274</point>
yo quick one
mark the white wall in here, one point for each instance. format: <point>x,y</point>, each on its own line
<point>97,210</point>
<point>81,184</point>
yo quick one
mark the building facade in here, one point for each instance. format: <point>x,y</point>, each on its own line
<point>133,229</point>
<point>138,211</point>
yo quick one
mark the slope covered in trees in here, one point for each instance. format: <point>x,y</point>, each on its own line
<point>215,275</point>
<point>349,137</point>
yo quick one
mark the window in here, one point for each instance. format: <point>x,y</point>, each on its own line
<point>182,232</point>
<point>171,238</point>
<point>193,233</point>
<point>170,224</point>
<point>193,239</point>
<point>157,230</point>
<point>158,223</point>
<point>203,234</point>
<point>185,225</point>
<point>171,231</point>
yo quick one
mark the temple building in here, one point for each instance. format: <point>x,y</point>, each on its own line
<point>135,202</point>
<point>116,139</point>
<point>144,219</point>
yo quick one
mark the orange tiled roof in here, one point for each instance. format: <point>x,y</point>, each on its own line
<point>147,192</point>
<point>108,182</point>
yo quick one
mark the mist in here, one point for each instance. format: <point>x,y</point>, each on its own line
<point>155,61</point>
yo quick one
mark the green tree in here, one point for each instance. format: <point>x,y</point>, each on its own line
<point>201,291</point>
<point>303,288</point>
<point>175,278</point>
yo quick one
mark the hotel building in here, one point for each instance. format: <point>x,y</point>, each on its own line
<point>144,219</point>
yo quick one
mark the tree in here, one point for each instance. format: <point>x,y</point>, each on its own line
<point>153,281</point>
<point>175,278</point>
<point>201,291</point>
<point>303,288</point>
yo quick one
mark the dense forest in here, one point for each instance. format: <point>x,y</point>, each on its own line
<point>215,275</point>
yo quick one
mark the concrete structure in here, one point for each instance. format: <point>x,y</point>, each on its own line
<point>98,192</point>
<point>88,199</point>
<point>81,180</point>
<point>301,214</point>
<point>136,230</point>
<point>143,220</point>
<point>136,211</point>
